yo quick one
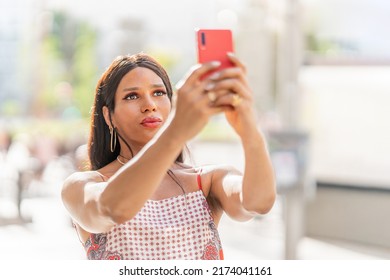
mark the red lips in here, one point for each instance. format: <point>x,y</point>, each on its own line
<point>151,122</point>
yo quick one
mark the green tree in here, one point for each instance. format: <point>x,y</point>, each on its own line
<point>68,56</point>
<point>84,69</point>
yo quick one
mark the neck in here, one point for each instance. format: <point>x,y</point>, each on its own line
<point>122,159</point>
<point>129,148</point>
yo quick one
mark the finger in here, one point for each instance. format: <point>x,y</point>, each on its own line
<point>204,103</point>
<point>231,100</point>
<point>181,82</point>
<point>233,58</point>
<point>214,95</point>
<point>230,73</point>
<point>196,72</point>
<point>232,85</point>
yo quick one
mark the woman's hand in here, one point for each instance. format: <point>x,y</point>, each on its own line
<point>242,196</point>
<point>193,105</point>
<point>230,90</point>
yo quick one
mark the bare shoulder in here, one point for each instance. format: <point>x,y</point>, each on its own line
<point>213,175</point>
<point>80,194</point>
<point>84,177</point>
<point>220,170</point>
<point>76,182</point>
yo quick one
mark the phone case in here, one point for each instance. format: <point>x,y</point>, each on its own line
<point>214,44</point>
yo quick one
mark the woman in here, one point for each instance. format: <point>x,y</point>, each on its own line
<point>140,201</point>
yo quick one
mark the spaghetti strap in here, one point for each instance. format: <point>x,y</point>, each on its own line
<point>199,179</point>
<point>101,176</point>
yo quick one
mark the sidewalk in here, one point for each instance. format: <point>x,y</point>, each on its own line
<point>48,236</point>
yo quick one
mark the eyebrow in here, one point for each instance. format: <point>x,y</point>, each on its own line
<point>137,88</point>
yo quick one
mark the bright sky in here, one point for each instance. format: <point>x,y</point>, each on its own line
<point>364,21</point>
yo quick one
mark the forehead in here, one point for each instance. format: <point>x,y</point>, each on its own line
<point>140,77</point>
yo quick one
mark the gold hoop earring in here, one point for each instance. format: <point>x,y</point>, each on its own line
<point>112,139</point>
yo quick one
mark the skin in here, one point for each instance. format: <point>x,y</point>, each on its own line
<point>97,205</point>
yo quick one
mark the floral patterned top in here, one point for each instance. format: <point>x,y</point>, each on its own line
<point>179,227</point>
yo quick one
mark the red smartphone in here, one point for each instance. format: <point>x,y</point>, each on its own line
<point>214,44</point>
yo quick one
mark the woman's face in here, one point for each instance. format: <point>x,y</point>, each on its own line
<point>142,106</point>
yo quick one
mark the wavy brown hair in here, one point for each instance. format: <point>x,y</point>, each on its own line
<point>99,139</point>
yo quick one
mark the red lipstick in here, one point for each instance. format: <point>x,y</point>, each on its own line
<point>151,122</point>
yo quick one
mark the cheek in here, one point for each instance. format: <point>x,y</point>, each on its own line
<point>165,105</point>
<point>125,113</point>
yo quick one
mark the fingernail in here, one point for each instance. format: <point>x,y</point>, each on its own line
<point>231,54</point>
<point>209,86</point>
<point>214,76</point>
<point>215,63</point>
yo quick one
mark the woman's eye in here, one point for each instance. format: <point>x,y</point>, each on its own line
<point>131,96</point>
<point>160,93</point>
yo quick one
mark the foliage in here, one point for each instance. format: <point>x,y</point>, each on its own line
<point>67,57</point>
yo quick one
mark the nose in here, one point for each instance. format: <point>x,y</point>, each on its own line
<point>148,105</point>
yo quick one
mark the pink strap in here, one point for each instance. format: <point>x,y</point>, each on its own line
<point>199,180</point>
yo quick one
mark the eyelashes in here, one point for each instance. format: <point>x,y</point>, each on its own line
<point>131,96</point>
<point>134,95</point>
<point>160,93</point>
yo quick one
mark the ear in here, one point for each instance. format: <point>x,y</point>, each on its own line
<point>106,114</point>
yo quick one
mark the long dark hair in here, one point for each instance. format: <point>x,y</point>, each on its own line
<point>99,139</point>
